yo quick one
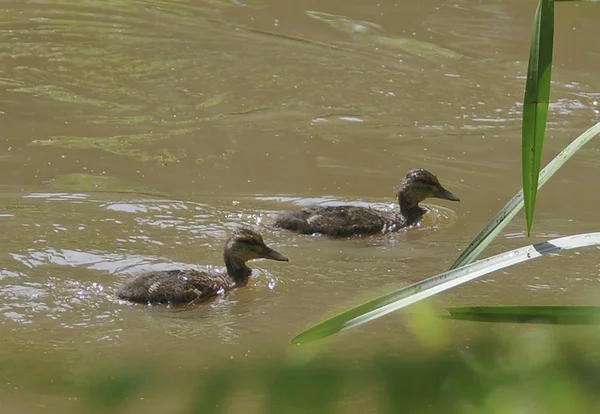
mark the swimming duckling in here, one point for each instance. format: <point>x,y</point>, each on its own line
<point>344,221</point>
<point>178,286</point>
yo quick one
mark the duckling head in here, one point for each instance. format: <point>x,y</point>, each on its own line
<point>420,184</point>
<point>245,244</point>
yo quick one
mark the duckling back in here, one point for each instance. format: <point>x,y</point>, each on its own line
<point>174,286</point>
<point>339,221</point>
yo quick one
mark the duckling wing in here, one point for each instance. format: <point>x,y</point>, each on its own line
<point>206,284</point>
<point>339,221</point>
<point>173,286</point>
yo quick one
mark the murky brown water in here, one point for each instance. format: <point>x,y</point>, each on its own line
<point>135,134</point>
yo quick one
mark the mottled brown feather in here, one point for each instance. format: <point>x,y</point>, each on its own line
<point>344,221</point>
<point>184,286</point>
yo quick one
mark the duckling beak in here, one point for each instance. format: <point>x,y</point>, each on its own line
<point>446,195</point>
<point>269,253</point>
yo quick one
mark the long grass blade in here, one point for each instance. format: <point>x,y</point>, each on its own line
<point>436,284</point>
<point>563,315</point>
<point>510,210</point>
<point>536,102</point>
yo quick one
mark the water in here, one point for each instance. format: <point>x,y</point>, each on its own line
<point>137,134</point>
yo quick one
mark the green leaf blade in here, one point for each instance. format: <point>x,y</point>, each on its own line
<point>408,295</point>
<point>535,103</point>
<point>510,210</point>
<point>563,315</point>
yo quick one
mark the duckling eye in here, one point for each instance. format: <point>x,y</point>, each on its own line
<point>254,244</point>
<point>258,245</point>
<point>424,182</point>
<point>431,182</point>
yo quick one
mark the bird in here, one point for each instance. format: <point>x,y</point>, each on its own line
<point>345,221</point>
<point>186,286</point>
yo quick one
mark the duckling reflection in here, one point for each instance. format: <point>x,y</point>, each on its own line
<point>344,221</point>
<point>184,286</point>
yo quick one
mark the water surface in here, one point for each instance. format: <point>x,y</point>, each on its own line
<point>137,134</point>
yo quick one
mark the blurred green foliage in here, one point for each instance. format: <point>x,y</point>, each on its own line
<point>538,370</point>
<point>524,378</point>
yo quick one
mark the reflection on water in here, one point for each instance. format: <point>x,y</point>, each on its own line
<point>135,135</point>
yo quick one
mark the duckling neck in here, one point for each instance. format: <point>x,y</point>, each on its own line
<point>410,209</point>
<point>237,270</point>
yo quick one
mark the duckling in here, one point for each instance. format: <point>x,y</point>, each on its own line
<point>184,286</point>
<point>344,221</point>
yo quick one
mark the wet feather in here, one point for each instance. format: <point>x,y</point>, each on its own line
<point>184,286</point>
<point>344,221</point>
